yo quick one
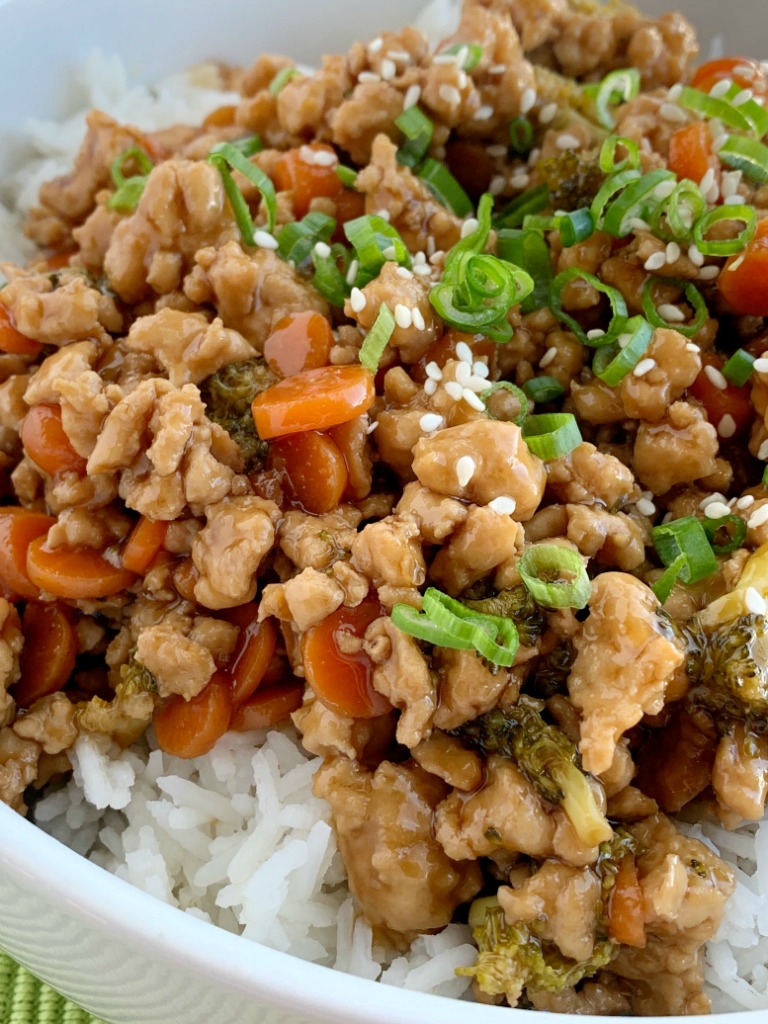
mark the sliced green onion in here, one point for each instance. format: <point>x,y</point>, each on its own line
<point>610,187</point>
<point>555,576</point>
<point>225,155</point>
<point>129,190</point>
<point>576,227</point>
<point>282,78</point>
<point>444,187</point>
<point>347,175</point>
<point>543,389</point>
<point>714,108</point>
<point>529,250</point>
<point>375,242</point>
<point>331,280</point>
<point>419,625</point>
<point>613,363</point>
<point>734,526</point>
<point>607,158</point>
<point>727,246</point>
<point>536,222</point>
<point>616,299</point>
<point>533,201</point>
<point>680,212</point>
<point>377,338</point>
<point>418,130</point>
<point>765,477</point>
<point>754,112</point>
<point>475,242</point>
<point>479,293</point>
<point>521,135</point>
<point>739,368</point>
<point>693,297</point>
<point>248,145</point>
<point>615,88</point>
<point>474,54</point>
<point>665,584</point>
<point>637,200</point>
<point>552,435</point>
<point>747,155</point>
<point>296,241</point>
<point>513,389</point>
<point>685,537</point>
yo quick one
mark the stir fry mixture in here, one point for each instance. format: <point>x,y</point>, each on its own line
<point>423,398</point>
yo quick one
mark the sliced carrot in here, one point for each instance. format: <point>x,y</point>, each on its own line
<point>293,172</point>
<point>690,151</point>
<point>46,442</point>
<point>74,573</point>
<point>268,707</point>
<point>300,341</point>
<point>718,402</point>
<point>145,541</point>
<point>626,915</point>
<point>742,282</point>
<point>312,470</point>
<point>742,71</point>
<point>253,652</point>
<point>221,117</point>
<point>343,680</point>
<point>48,656</point>
<point>190,728</point>
<point>313,400</point>
<point>14,341</point>
<point>18,528</point>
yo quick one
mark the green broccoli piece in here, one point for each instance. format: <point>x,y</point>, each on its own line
<point>135,678</point>
<point>517,604</point>
<point>730,668</point>
<point>546,757</point>
<point>552,670</point>
<point>573,179</point>
<point>228,395</point>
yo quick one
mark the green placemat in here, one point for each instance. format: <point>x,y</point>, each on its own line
<point>25,1000</point>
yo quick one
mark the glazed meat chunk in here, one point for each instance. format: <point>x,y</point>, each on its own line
<point>587,476</point>
<point>402,675</point>
<point>678,449</point>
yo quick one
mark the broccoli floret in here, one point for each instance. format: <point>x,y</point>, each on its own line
<point>228,395</point>
<point>135,678</point>
<point>731,670</point>
<point>552,670</point>
<point>573,179</point>
<point>517,604</point>
<point>546,757</point>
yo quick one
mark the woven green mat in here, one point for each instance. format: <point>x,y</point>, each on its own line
<point>25,1000</point>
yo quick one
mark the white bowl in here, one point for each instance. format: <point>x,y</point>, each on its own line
<point>118,952</point>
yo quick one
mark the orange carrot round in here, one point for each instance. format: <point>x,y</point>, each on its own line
<point>313,400</point>
<point>742,282</point>
<point>312,468</point>
<point>74,573</point>
<point>626,915</point>
<point>742,71</point>
<point>144,543</point>
<point>46,442</point>
<point>221,117</point>
<point>18,528</point>
<point>294,172</point>
<point>690,151</point>
<point>48,656</point>
<point>732,400</point>
<point>268,707</point>
<point>253,651</point>
<point>190,728</point>
<point>12,340</point>
<point>300,341</point>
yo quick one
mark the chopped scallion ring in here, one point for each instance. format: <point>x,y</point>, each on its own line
<point>739,368</point>
<point>375,241</point>
<point>528,249</point>
<point>521,135</point>
<point>473,54</point>
<point>576,227</point>
<point>614,363</point>
<point>665,584</point>
<point>685,537</point>
<point>754,112</point>
<point>616,299</point>
<point>551,435</point>
<point>727,246</point>
<point>296,241</point>
<point>617,87</point>
<point>377,338</point>
<point>347,175</point>
<point>282,78</point>
<point>675,218</point>
<point>248,145</point>
<point>543,389</point>
<point>533,201</point>
<point>444,187</point>
<point>129,190</point>
<point>537,222</point>
<point>330,279</point>
<point>513,389</point>
<point>418,130</point>
<point>714,108</point>
<point>225,155</point>
<point>636,201</point>
<point>608,163</point>
<point>692,295</point>
<point>478,294</point>
<point>747,155</point>
<point>735,528</point>
<point>613,184</point>
<point>555,576</point>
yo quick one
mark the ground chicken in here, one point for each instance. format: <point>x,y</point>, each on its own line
<point>58,314</point>
<point>614,539</point>
<point>317,541</point>
<point>678,449</point>
<point>402,675</point>
<point>677,367</point>
<point>182,660</point>
<point>305,599</point>
<point>11,643</point>
<point>586,476</point>
<point>740,774</point>
<point>449,759</point>
<point>18,767</point>
<point>437,516</point>
<point>328,733</point>
<point>483,542</point>
<point>468,686</point>
<point>50,722</point>
<point>389,553</point>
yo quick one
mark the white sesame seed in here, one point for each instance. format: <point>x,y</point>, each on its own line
<point>484,113</point>
<point>469,225</point>
<point>325,159</point>
<point>450,94</point>
<point>646,507</point>
<point>755,601</point>
<point>496,150</point>
<point>464,352</point>
<point>465,469</point>
<point>497,184</point>
<point>763,451</point>
<point>672,113</point>
<point>390,253</point>
<point>664,190</point>
<point>695,255</point>
<point>371,427</point>
<point>412,97</point>
<point>548,113</point>
<point>384,214</point>
<point>354,267</point>
<point>742,97</point>
<point>454,390</point>
<point>461,56</point>
<point>445,58</point>
<point>430,387</point>
<point>729,183</point>
<point>480,370</point>
<point>623,340</point>
<point>643,367</point>
<point>691,346</point>
<point>671,313</point>
<point>717,510</point>
<point>718,141</point>
<point>719,89</point>
<point>388,69</point>
<point>503,505</point>
<point>433,371</point>
<point>368,76</point>
<point>476,384</point>
<point>357,300</point>
<point>675,92</point>
<point>714,496</point>
<point>673,252</point>
<point>745,71</point>
<point>307,154</point>
<point>761,365</point>
<point>430,422</point>
<point>596,332</point>
<point>403,316</point>
<point>472,400</point>
<point>418,319</point>
<point>431,247</point>
<point>568,141</point>
<point>463,372</point>
<point>264,240</point>
<point>656,261</point>
<point>733,200</point>
<point>745,502</point>
<point>716,378</point>
<point>710,273</point>
<point>375,45</point>
<point>405,273</point>
<point>713,194</point>
<point>520,181</point>
<point>528,100</point>
<point>497,69</point>
<point>422,270</point>
<point>323,250</point>
<point>758,518</point>
<point>727,426</point>
<point>549,357</point>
